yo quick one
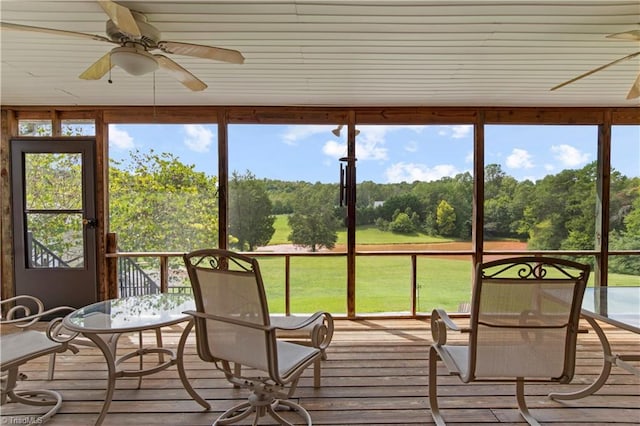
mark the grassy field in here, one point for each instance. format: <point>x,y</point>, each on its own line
<point>366,235</point>
<point>383,282</point>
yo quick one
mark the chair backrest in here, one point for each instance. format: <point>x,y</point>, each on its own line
<point>229,286</point>
<point>524,319</point>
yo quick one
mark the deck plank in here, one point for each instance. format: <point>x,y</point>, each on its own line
<point>375,374</point>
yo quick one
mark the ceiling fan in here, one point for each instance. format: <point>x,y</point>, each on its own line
<point>136,38</point>
<point>634,92</point>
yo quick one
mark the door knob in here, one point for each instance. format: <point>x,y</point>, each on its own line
<point>91,223</point>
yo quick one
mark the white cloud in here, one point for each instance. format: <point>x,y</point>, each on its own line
<point>119,139</point>
<point>294,134</point>
<point>411,146</point>
<point>199,138</point>
<point>519,159</point>
<point>409,172</point>
<point>335,149</point>
<point>370,150</point>
<point>366,150</point>
<point>458,131</point>
<point>469,157</point>
<point>569,156</point>
<point>369,144</point>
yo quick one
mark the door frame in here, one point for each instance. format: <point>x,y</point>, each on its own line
<point>24,277</point>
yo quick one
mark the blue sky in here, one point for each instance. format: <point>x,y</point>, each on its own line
<point>385,153</point>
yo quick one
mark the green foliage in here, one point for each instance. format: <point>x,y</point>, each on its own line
<point>400,202</point>
<point>445,218</point>
<point>250,218</point>
<point>458,191</point>
<point>313,223</point>
<point>627,239</point>
<point>53,182</point>
<point>402,224</point>
<point>632,219</point>
<point>159,204</point>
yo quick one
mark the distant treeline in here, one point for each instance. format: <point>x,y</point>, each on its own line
<point>557,212</point>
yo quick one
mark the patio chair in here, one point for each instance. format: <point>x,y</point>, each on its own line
<point>523,327</point>
<point>233,326</point>
<point>22,346</point>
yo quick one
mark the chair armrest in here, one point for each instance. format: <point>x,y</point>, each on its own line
<point>321,328</point>
<point>20,315</point>
<point>204,316</point>
<point>440,322</point>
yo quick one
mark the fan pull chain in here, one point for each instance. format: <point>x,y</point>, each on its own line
<point>110,67</point>
<point>154,95</point>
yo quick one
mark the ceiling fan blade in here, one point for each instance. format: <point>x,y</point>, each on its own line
<point>201,51</point>
<point>98,69</point>
<point>121,16</point>
<point>635,89</point>
<point>627,35</point>
<point>18,27</point>
<point>182,75</point>
<point>595,70</point>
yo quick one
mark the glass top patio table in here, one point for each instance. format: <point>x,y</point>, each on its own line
<point>619,306</point>
<point>131,313</point>
<point>104,322</point>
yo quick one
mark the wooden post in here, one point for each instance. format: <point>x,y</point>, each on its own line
<point>223,179</point>
<point>351,215</point>
<point>603,184</point>
<point>287,285</point>
<point>414,284</point>
<point>112,267</point>
<point>164,274</point>
<point>477,227</point>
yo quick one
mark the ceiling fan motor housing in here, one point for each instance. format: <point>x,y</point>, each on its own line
<point>150,36</point>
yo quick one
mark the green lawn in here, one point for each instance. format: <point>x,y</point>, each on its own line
<point>368,234</point>
<point>383,282</point>
<point>282,230</point>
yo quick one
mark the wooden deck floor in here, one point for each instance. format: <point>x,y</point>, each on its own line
<point>376,374</point>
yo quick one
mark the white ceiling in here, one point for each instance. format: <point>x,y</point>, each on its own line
<point>337,53</point>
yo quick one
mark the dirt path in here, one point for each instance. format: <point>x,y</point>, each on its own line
<point>452,246</point>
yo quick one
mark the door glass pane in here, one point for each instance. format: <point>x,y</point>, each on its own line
<point>53,181</point>
<point>53,198</point>
<point>55,240</point>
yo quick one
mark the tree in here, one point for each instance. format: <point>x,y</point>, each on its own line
<point>157,203</point>
<point>313,223</point>
<point>446,219</point>
<point>250,211</point>
<point>402,224</point>
<point>400,203</point>
<point>563,205</point>
<point>627,239</point>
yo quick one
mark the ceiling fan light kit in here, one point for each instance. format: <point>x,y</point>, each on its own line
<point>133,60</point>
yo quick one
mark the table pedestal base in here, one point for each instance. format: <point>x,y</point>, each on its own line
<point>610,359</point>
<point>108,347</point>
